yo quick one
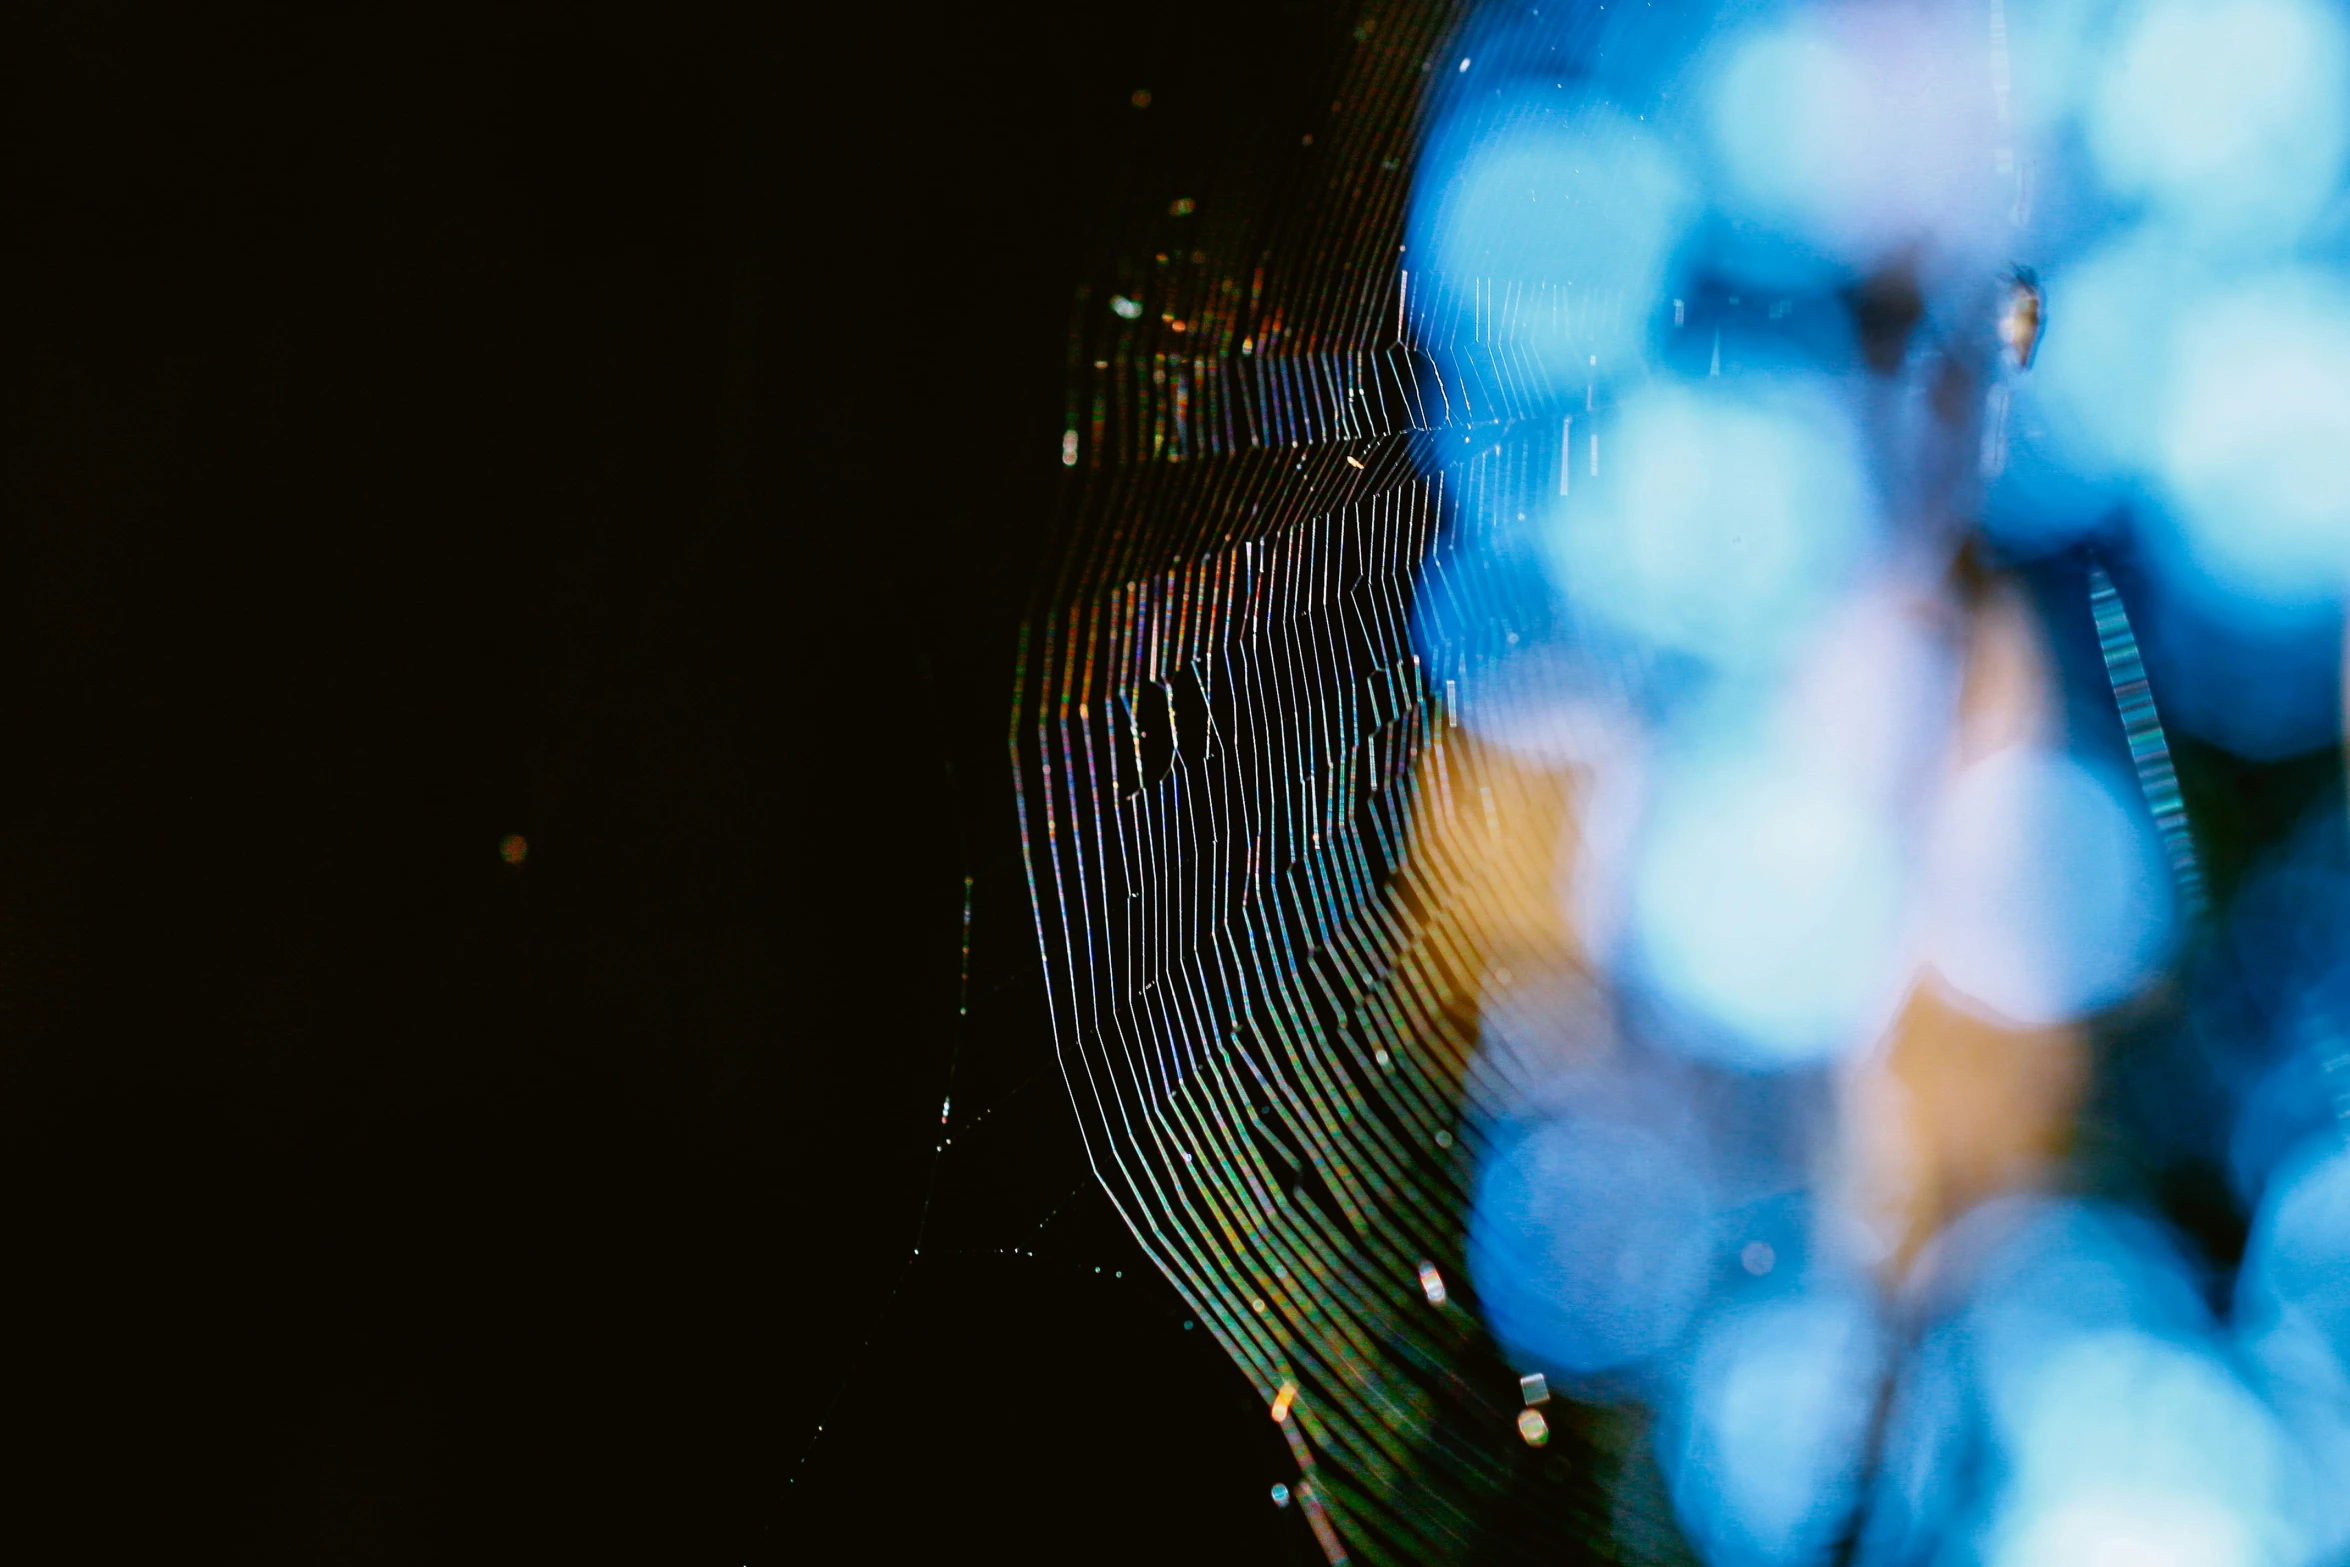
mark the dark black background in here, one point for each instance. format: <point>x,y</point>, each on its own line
<point>635,428</point>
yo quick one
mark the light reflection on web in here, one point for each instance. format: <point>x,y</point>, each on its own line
<point>1598,779</point>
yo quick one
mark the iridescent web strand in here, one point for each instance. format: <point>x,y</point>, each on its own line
<point>2158,779</point>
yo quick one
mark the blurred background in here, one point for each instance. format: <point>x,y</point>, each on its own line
<point>522,1032</point>
<point>628,427</point>
<point>1686,778</point>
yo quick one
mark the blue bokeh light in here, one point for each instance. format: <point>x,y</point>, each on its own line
<point>1721,522</point>
<point>2073,1401</point>
<point>1766,1448</point>
<point>2298,1259</point>
<point>1767,904</point>
<point>1554,216</point>
<point>2048,895</point>
<point>2230,119</point>
<point>2125,1447</point>
<point>2033,1271</point>
<point>1589,1243</point>
<point>2211,410</point>
<point>2101,375</point>
<point>2254,454</point>
<point>2293,1313</point>
<point>1865,134</point>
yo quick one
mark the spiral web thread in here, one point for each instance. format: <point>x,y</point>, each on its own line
<point>1271,870</point>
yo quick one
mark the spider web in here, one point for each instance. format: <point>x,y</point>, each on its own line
<point>1266,857</point>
